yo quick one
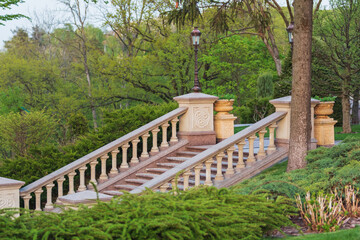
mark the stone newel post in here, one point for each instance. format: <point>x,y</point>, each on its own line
<point>197,124</point>
<point>9,193</point>
<point>283,130</point>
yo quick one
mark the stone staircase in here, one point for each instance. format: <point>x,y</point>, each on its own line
<point>191,157</point>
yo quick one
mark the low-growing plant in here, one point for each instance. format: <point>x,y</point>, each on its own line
<point>350,200</point>
<point>322,212</point>
<point>325,99</point>
<point>199,213</point>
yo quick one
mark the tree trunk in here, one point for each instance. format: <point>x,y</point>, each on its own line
<point>300,123</point>
<point>345,103</point>
<point>355,107</point>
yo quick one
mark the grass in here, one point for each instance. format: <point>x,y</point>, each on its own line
<point>348,234</point>
<point>341,136</point>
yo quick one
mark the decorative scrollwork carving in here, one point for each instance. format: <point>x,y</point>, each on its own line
<point>202,117</point>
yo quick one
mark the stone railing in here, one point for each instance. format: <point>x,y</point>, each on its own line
<point>196,163</point>
<point>92,159</point>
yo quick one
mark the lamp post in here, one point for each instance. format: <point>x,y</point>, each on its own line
<point>290,29</point>
<point>195,35</point>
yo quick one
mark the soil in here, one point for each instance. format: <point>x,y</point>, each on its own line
<point>304,229</point>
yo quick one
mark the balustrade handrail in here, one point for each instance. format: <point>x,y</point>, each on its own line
<point>101,151</point>
<point>210,152</point>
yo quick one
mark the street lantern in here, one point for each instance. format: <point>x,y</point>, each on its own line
<point>290,29</point>
<point>195,35</point>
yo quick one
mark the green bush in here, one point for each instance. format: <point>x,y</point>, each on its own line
<point>202,213</point>
<point>265,86</point>
<point>46,158</point>
<point>327,169</point>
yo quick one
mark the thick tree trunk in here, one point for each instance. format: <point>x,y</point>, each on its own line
<point>355,107</point>
<point>300,123</point>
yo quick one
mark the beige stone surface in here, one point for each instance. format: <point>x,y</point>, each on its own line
<point>9,193</point>
<point>224,125</point>
<point>283,105</point>
<point>324,131</point>
<point>200,114</point>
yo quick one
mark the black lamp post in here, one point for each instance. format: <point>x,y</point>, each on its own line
<point>290,29</point>
<point>195,35</point>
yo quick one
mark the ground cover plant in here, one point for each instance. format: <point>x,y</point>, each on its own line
<point>327,169</point>
<point>200,213</point>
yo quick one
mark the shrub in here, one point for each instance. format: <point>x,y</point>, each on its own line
<point>265,86</point>
<point>202,213</point>
<point>322,212</point>
<point>327,169</point>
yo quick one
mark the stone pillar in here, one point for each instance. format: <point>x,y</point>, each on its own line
<point>9,193</point>
<point>197,124</point>
<point>324,125</point>
<point>283,130</point>
<point>224,121</point>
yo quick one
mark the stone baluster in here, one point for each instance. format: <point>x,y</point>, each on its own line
<point>261,153</point>
<point>38,199</point>
<point>164,187</point>
<point>103,176</point>
<point>60,183</point>
<point>49,204</point>
<point>82,186</point>
<point>219,176</point>
<point>71,182</point>
<point>197,170</point>
<point>145,154</point>
<point>251,157</point>
<point>271,148</point>
<point>26,201</point>
<point>240,163</point>
<point>134,158</point>
<point>155,148</point>
<point>208,163</point>
<point>174,185</point>
<point>173,138</point>
<point>230,169</point>
<point>92,172</point>
<point>114,171</point>
<point>124,163</point>
<point>164,143</point>
<point>186,176</point>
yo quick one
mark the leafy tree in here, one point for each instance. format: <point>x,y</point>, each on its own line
<point>265,86</point>
<point>20,131</point>
<point>339,31</point>
<point>7,4</point>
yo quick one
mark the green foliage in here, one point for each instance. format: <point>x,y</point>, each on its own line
<point>42,159</point>
<point>327,168</point>
<point>18,132</point>
<point>254,110</point>
<point>349,234</point>
<point>325,99</point>
<point>77,124</point>
<point>200,213</point>
<point>7,4</point>
<point>265,86</point>
<point>11,100</point>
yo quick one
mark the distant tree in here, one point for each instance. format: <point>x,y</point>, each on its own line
<point>265,86</point>
<point>7,4</point>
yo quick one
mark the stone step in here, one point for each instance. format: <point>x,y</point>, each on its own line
<point>177,159</point>
<point>125,187</point>
<point>198,148</point>
<point>146,175</point>
<point>187,153</point>
<point>157,170</point>
<point>167,165</point>
<point>138,181</point>
<point>113,193</point>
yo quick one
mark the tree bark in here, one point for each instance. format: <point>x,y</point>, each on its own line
<point>345,103</point>
<point>355,107</point>
<point>300,123</point>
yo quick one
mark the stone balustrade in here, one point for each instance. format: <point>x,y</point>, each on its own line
<point>73,175</point>
<point>216,154</point>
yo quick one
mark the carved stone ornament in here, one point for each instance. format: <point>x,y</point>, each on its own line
<point>202,117</point>
<point>7,200</point>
